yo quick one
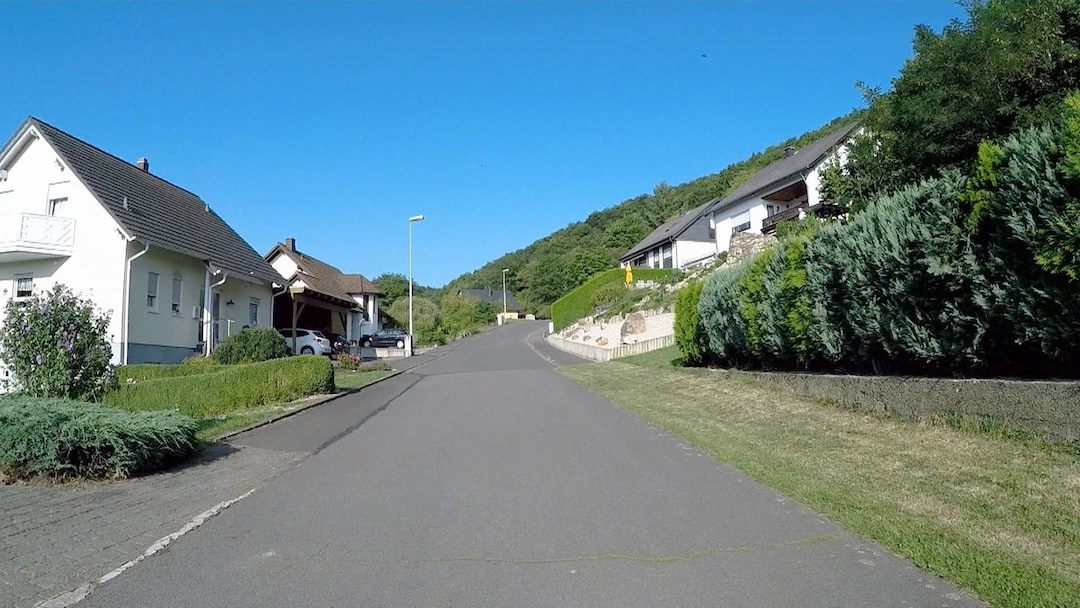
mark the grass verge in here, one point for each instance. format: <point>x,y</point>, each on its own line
<point>352,380</point>
<point>997,515</point>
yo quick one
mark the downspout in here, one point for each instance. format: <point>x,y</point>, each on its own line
<point>126,306</point>
<point>209,311</point>
<point>273,300</point>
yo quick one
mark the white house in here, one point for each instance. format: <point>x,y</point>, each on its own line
<point>321,297</point>
<point>780,191</point>
<point>173,275</point>
<point>684,242</point>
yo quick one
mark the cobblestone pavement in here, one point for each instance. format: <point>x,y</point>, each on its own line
<point>54,539</point>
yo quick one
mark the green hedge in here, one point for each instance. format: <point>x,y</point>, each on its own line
<point>61,439</point>
<point>579,302</point>
<point>690,336</point>
<point>153,371</point>
<point>946,277</point>
<point>229,388</point>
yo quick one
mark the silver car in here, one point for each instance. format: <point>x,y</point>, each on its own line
<point>308,342</point>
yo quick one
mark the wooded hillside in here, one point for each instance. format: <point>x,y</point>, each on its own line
<point>552,266</point>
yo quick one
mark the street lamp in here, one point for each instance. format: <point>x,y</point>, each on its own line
<point>505,270</point>
<point>415,218</point>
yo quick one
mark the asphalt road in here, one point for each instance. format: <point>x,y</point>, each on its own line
<point>480,477</point>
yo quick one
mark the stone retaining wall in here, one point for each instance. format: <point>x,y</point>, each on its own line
<point>599,353</point>
<point>1050,407</point>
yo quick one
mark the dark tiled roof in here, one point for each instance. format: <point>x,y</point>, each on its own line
<point>492,296</point>
<point>155,211</point>
<point>786,168</point>
<point>324,278</point>
<point>669,231</point>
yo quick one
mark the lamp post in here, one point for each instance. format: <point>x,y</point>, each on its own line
<point>415,218</point>
<point>505,270</point>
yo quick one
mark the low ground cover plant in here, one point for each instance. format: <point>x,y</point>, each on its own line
<point>228,388</point>
<point>63,439</point>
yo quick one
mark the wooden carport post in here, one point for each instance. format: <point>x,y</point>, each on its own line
<point>295,317</point>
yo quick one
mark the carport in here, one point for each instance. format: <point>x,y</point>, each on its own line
<point>303,306</point>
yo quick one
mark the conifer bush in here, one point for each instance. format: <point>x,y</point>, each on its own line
<point>690,336</point>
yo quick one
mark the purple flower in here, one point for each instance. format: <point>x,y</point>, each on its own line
<point>39,359</point>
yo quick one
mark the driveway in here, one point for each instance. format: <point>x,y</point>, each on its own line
<point>480,477</point>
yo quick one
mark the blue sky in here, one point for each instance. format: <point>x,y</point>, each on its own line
<point>501,122</point>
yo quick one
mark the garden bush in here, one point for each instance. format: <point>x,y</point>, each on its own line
<point>151,371</point>
<point>251,346</point>
<point>229,388</point>
<point>62,439</point>
<point>57,345</point>
<point>690,336</point>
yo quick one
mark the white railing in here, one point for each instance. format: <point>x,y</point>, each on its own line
<point>31,233</point>
<point>599,353</point>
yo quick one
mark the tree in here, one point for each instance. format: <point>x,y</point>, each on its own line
<point>426,318</point>
<point>394,286</point>
<point>1006,67</point>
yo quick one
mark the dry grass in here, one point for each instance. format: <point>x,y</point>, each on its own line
<point>997,515</point>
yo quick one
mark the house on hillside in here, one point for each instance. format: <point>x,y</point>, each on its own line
<point>684,242</point>
<point>495,298</point>
<point>321,297</point>
<point>173,275</point>
<point>781,191</point>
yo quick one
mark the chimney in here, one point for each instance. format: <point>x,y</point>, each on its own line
<point>789,151</point>
<point>143,164</point>
<point>290,244</point>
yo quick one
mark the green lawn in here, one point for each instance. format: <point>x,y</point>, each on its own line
<point>997,515</point>
<point>346,380</point>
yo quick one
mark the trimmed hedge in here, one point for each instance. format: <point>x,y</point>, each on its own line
<point>690,336</point>
<point>153,371</point>
<point>948,276</point>
<point>251,346</point>
<point>62,439</point>
<point>579,302</point>
<point>229,388</point>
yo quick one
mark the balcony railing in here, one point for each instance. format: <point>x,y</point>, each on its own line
<point>27,236</point>
<point>768,225</point>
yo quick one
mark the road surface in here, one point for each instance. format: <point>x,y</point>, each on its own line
<point>481,477</point>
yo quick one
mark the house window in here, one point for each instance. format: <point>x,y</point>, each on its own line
<point>712,229</point>
<point>177,291</point>
<point>24,285</point>
<point>151,292</point>
<point>253,312</point>
<point>56,206</point>
<point>740,223</point>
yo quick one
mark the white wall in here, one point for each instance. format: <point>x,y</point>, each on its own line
<point>284,265</point>
<point>723,218</point>
<point>95,270</point>
<point>691,251</point>
<point>163,327</point>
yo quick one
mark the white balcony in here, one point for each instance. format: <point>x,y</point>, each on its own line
<point>27,236</point>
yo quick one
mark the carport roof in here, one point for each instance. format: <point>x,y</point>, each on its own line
<point>324,278</point>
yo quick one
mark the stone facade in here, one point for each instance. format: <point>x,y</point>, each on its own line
<point>747,244</point>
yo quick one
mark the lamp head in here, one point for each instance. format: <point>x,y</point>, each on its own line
<point>416,218</point>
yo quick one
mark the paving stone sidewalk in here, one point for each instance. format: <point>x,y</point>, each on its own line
<point>54,539</point>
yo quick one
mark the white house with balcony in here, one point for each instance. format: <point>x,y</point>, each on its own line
<point>781,191</point>
<point>174,277</point>
<point>685,242</point>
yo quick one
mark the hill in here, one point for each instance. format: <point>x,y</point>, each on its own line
<point>550,267</point>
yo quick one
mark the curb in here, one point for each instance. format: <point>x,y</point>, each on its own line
<point>316,400</point>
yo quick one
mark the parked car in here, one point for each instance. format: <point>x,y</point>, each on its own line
<point>339,343</point>
<point>308,342</point>
<point>387,338</point>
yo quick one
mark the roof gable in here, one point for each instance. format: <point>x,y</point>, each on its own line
<point>808,157</point>
<point>323,277</point>
<point>155,211</point>
<point>668,231</point>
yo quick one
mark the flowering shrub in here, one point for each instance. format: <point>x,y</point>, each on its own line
<point>55,345</point>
